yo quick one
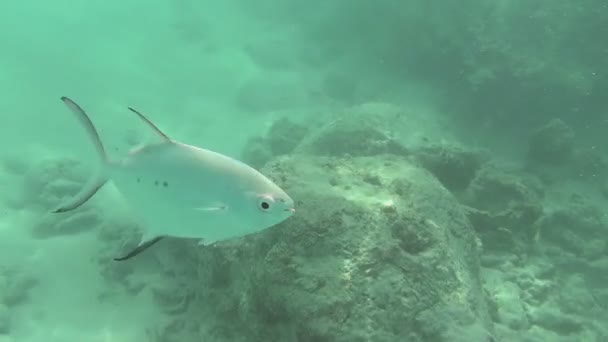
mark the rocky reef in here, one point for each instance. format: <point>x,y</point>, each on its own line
<point>542,256</point>
<point>391,242</point>
<point>380,251</point>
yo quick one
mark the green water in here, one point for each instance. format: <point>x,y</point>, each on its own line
<point>447,159</point>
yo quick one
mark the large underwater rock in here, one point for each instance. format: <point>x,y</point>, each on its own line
<point>364,130</point>
<point>377,251</point>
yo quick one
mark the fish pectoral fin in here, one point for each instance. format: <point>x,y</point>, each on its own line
<point>213,208</point>
<point>145,243</point>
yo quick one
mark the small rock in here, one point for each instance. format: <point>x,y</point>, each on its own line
<point>453,166</point>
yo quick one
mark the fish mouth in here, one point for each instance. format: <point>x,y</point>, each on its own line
<point>293,210</point>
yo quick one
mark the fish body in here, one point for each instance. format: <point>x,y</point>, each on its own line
<point>184,191</point>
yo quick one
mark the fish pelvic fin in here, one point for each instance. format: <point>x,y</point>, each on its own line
<point>97,181</point>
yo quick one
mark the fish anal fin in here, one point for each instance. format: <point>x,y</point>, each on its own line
<point>146,242</point>
<point>83,196</point>
<point>150,124</point>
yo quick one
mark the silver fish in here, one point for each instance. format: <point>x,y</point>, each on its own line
<point>184,191</point>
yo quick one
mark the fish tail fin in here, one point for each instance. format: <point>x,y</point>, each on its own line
<point>100,177</point>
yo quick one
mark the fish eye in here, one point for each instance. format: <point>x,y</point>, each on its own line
<point>265,203</point>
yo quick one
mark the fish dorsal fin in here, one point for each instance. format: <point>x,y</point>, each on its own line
<point>151,125</point>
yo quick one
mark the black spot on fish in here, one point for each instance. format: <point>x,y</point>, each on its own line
<point>156,183</point>
<point>165,184</point>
